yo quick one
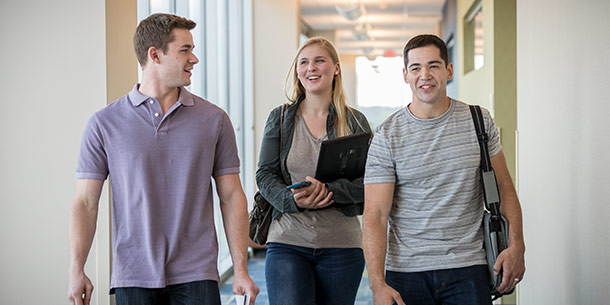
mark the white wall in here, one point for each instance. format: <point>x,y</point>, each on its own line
<point>564,143</point>
<point>276,39</point>
<point>53,78</point>
<point>348,73</point>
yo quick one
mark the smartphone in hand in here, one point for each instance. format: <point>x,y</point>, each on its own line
<point>299,185</point>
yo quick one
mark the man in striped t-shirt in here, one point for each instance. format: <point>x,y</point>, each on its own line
<point>422,176</point>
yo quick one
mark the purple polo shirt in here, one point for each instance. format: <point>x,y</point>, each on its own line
<point>160,167</point>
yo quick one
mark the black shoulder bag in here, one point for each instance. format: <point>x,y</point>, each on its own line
<point>262,211</point>
<point>495,227</point>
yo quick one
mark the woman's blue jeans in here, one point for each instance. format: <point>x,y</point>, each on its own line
<point>459,286</point>
<point>193,293</point>
<point>306,276</point>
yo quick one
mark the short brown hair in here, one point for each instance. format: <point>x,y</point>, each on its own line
<point>156,31</point>
<point>423,41</point>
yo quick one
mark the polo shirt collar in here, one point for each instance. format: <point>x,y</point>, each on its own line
<point>185,98</point>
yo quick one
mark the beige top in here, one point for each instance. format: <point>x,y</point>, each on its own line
<point>325,228</point>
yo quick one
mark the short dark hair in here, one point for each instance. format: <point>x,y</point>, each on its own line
<point>423,41</point>
<point>156,31</point>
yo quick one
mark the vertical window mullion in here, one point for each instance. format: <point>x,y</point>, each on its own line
<point>196,12</point>
<point>181,8</point>
<point>211,56</point>
<point>248,93</point>
<point>235,77</point>
<point>222,55</point>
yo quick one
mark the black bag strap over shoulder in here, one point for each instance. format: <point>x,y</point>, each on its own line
<point>488,176</point>
<point>284,106</point>
<point>495,227</point>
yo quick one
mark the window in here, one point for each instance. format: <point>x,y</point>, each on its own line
<point>380,89</point>
<point>474,58</point>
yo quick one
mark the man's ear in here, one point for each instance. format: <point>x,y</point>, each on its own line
<point>404,74</point>
<point>450,71</point>
<point>154,55</point>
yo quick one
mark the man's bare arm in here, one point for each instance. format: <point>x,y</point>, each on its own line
<point>234,210</point>
<point>377,206</point>
<point>512,259</point>
<point>82,224</point>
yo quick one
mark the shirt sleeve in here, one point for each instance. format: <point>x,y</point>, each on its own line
<point>380,166</point>
<point>494,144</point>
<point>92,158</point>
<point>226,159</point>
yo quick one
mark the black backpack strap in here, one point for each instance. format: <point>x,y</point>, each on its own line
<point>488,177</point>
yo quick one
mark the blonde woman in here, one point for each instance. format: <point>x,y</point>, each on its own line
<point>314,253</point>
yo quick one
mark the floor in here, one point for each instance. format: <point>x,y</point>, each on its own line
<point>256,268</point>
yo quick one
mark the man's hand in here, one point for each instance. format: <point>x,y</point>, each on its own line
<point>386,295</point>
<point>244,284</point>
<point>80,289</point>
<point>512,263</point>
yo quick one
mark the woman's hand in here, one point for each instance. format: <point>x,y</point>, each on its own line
<point>315,196</point>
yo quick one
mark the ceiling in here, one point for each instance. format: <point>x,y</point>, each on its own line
<point>389,24</point>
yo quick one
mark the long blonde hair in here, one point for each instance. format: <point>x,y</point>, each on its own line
<point>339,100</point>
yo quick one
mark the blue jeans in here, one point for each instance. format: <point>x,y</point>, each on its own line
<point>306,276</point>
<point>459,286</point>
<point>193,293</point>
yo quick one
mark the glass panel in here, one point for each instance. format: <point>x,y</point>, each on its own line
<point>474,52</point>
<point>380,87</point>
<point>479,59</point>
<point>161,6</point>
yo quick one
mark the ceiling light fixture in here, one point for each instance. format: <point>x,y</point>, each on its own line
<point>350,10</point>
<point>361,31</point>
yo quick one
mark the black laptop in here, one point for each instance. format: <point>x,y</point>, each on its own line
<point>343,157</point>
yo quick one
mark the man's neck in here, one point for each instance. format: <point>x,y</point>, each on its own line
<point>427,111</point>
<point>165,95</point>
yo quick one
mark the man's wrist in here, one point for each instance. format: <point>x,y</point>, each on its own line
<point>519,246</point>
<point>240,270</point>
<point>75,268</point>
<point>376,284</point>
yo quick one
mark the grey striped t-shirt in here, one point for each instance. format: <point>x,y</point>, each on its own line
<point>435,220</point>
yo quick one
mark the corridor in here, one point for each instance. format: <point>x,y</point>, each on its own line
<point>256,268</point>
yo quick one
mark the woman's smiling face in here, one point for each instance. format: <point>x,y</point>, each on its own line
<point>316,70</point>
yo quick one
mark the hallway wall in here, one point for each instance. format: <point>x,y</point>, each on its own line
<point>276,39</point>
<point>564,139</point>
<point>53,79</point>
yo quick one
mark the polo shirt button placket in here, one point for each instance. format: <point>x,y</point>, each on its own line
<point>161,128</point>
<point>157,118</point>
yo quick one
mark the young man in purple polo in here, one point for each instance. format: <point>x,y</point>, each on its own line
<point>161,145</point>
